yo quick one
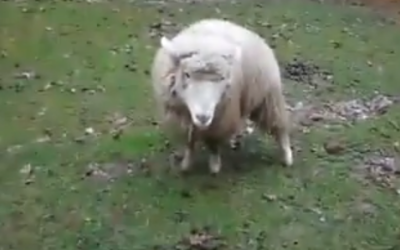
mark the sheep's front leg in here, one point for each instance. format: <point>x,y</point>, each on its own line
<point>190,144</point>
<point>235,141</point>
<point>215,157</point>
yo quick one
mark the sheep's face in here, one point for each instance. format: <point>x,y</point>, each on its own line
<point>201,81</point>
<point>202,85</point>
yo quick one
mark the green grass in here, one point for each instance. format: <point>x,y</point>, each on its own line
<point>81,46</point>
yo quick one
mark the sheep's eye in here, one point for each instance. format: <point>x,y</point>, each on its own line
<point>172,80</point>
<point>186,75</point>
<point>173,93</point>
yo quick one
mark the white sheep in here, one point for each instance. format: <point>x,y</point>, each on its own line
<point>210,78</point>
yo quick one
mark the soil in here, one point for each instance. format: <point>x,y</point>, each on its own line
<point>391,7</point>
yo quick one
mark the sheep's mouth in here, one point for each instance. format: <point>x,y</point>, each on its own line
<point>202,122</point>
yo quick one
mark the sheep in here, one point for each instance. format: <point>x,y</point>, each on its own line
<point>212,77</point>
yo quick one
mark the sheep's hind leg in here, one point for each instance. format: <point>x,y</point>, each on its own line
<point>283,139</point>
<point>280,129</point>
<point>188,151</point>
<point>214,163</point>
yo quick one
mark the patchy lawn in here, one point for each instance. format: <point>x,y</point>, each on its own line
<point>83,164</point>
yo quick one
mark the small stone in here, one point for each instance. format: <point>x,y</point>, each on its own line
<point>80,140</point>
<point>396,146</point>
<point>270,197</point>
<point>117,134</point>
<point>316,117</point>
<point>28,181</point>
<point>336,44</point>
<point>89,131</point>
<point>334,147</point>
<point>185,194</point>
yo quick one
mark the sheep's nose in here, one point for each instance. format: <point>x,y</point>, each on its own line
<point>204,119</point>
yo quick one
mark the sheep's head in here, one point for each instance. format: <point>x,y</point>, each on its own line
<point>202,80</point>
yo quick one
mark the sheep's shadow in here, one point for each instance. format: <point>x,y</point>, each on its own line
<point>255,151</point>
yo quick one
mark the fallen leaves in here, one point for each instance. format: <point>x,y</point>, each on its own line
<point>270,197</point>
<point>27,75</point>
<point>86,134</point>
<point>89,131</point>
<point>118,124</point>
<point>27,172</point>
<point>26,169</point>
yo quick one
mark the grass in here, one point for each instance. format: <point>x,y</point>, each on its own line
<point>92,60</point>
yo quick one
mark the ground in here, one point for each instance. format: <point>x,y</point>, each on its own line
<point>84,165</point>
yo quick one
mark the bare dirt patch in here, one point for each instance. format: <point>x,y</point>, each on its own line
<point>109,171</point>
<point>202,239</point>
<point>342,112</point>
<point>306,72</point>
<point>383,7</point>
<point>382,169</point>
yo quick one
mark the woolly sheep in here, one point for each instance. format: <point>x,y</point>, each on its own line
<point>210,78</point>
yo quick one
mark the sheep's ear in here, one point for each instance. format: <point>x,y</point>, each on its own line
<point>168,46</point>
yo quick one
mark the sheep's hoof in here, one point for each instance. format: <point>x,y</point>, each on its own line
<point>186,163</point>
<point>288,157</point>
<point>235,143</point>
<point>215,164</point>
<point>185,167</point>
